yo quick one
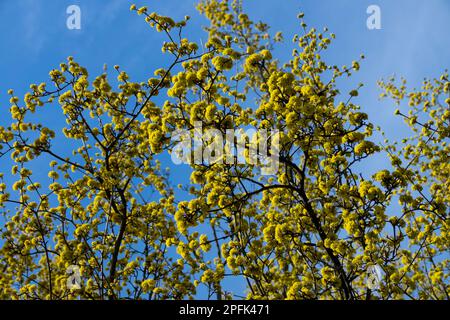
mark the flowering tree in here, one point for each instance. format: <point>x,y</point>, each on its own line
<point>309,230</point>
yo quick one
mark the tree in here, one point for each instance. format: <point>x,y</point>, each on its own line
<point>310,230</point>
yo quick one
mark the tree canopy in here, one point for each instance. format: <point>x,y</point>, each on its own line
<point>309,230</point>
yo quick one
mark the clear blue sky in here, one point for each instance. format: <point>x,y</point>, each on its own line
<point>413,43</point>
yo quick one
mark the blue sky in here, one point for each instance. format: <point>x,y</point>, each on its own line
<point>413,43</point>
